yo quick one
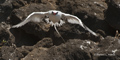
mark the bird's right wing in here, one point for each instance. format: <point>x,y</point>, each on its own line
<point>33,17</point>
<point>75,20</point>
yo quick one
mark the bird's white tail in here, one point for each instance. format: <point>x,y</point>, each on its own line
<point>59,33</point>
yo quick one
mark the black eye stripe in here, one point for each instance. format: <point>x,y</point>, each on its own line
<point>54,12</point>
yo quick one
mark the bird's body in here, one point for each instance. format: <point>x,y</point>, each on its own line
<point>54,18</point>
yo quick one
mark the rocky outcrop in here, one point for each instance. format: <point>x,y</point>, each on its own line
<point>78,49</point>
<point>112,13</point>
<point>90,12</point>
<point>73,49</point>
<point>6,37</point>
<point>39,41</point>
<point>5,9</point>
<point>84,9</point>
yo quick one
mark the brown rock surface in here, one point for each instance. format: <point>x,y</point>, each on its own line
<point>90,12</point>
<point>112,14</point>
<point>39,41</point>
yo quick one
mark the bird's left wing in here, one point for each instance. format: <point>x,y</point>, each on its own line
<point>75,20</point>
<point>33,17</point>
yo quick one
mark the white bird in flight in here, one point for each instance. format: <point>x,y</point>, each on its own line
<point>54,18</point>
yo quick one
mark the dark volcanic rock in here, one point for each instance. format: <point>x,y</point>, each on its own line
<point>78,50</point>
<point>5,9</point>
<point>18,3</point>
<point>6,35</point>
<point>45,42</point>
<point>112,14</point>
<point>90,12</point>
<point>10,53</point>
<point>85,7</point>
<point>39,41</point>
<point>107,49</point>
<point>72,50</point>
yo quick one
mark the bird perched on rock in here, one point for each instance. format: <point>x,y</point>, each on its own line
<point>54,18</point>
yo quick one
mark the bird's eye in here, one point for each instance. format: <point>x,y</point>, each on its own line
<point>52,12</point>
<point>56,12</point>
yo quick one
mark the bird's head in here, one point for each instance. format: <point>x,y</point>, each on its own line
<point>54,12</point>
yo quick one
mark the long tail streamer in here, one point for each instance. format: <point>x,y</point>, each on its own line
<point>59,33</point>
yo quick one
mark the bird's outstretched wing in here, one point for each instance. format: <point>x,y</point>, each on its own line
<point>33,17</point>
<point>75,20</point>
